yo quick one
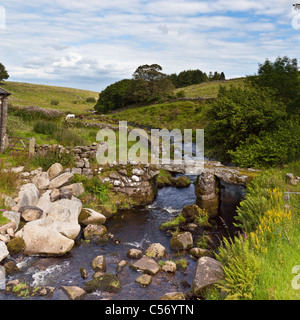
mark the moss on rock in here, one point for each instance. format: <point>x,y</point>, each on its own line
<point>16,245</point>
<point>164,179</point>
<point>106,282</point>
<point>11,268</point>
<point>181,241</point>
<point>84,215</point>
<point>174,223</point>
<point>182,182</point>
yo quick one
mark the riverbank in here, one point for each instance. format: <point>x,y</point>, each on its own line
<point>261,264</point>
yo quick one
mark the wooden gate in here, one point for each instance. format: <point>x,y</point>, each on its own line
<point>21,145</point>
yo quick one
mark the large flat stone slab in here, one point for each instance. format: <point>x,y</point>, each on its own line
<point>146,265</point>
<point>61,180</point>
<point>208,271</point>
<point>44,241</point>
<point>3,251</point>
<point>28,195</point>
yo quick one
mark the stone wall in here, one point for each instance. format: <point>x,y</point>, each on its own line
<point>80,152</point>
<point>135,181</point>
<point>82,155</point>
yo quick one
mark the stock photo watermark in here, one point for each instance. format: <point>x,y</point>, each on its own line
<point>162,147</point>
<point>296,18</point>
<point>2,278</point>
<point>296,279</point>
<point>2,18</point>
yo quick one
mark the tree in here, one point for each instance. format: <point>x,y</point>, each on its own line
<point>258,124</point>
<point>148,84</point>
<point>148,73</point>
<point>273,148</point>
<point>151,83</point>
<point>222,76</point>
<point>238,113</point>
<point>174,79</point>
<point>215,76</point>
<point>3,73</point>
<point>188,77</point>
<point>115,96</point>
<point>281,75</point>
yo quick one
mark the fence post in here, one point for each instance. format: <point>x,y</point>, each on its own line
<point>32,147</point>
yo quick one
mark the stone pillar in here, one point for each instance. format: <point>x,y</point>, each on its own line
<point>207,193</point>
<point>32,147</point>
<point>3,122</point>
<point>6,141</point>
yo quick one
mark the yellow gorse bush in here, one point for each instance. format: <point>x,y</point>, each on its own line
<point>272,224</point>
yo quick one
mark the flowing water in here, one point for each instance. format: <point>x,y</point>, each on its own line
<point>134,229</point>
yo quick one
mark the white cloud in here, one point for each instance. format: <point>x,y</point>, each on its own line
<point>104,41</point>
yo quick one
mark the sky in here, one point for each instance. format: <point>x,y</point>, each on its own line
<point>91,44</point>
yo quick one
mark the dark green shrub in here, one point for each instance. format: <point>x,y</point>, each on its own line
<point>54,102</point>
<point>68,138</point>
<point>239,113</point>
<point>180,94</point>
<point>94,186</point>
<point>45,127</point>
<point>269,149</point>
<point>64,136</point>
<point>90,100</point>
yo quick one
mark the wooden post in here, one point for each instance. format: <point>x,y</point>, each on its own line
<point>31,147</point>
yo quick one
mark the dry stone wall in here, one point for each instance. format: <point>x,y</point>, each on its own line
<point>82,156</point>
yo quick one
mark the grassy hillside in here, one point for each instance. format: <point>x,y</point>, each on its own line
<point>70,100</point>
<point>180,114</point>
<point>209,89</point>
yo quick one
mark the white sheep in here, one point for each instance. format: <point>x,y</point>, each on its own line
<point>70,116</point>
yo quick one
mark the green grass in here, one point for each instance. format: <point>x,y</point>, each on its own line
<point>181,264</point>
<point>271,237</point>
<point>173,223</point>
<point>63,136</point>
<point>181,115</point>
<point>3,220</point>
<point>275,279</point>
<point>16,127</point>
<point>8,179</point>
<point>209,89</point>
<point>70,100</point>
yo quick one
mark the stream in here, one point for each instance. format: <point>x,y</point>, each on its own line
<point>134,229</point>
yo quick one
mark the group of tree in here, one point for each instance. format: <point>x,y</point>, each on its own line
<point>148,84</point>
<point>190,77</point>
<point>216,76</point>
<point>258,125</point>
